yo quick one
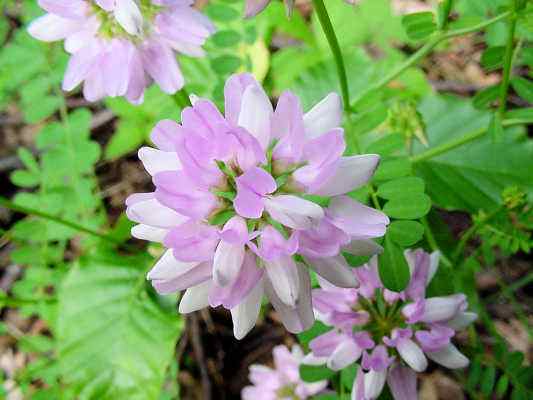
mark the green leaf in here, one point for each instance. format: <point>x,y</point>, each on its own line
<point>485,97</point>
<point>471,177</point>
<point>223,13</point>
<point>392,169</point>
<point>406,233</point>
<point>221,218</point>
<point>419,25</point>
<point>398,187</point>
<point>495,130</point>
<point>474,374</point>
<point>492,58</point>
<point>387,145</point>
<point>487,380</point>
<point>226,38</point>
<point>315,373</point>
<point>115,337</point>
<point>524,88</point>
<point>225,64</point>
<point>502,386</point>
<point>25,179</point>
<point>408,206</point>
<point>392,266</point>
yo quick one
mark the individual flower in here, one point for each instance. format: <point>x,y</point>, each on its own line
<point>254,7</point>
<point>118,47</point>
<point>283,381</point>
<point>392,333</point>
<point>247,202</point>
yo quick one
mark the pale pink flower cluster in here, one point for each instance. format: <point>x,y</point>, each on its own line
<point>283,381</point>
<point>392,333</point>
<point>118,47</point>
<point>247,202</point>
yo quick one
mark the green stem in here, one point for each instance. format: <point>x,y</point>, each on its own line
<point>427,48</point>
<point>433,243</point>
<point>470,232</point>
<point>452,144</point>
<point>181,98</point>
<point>30,211</point>
<point>327,27</point>
<point>507,64</point>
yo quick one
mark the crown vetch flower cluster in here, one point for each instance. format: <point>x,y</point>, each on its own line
<point>237,204</point>
<point>283,381</point>
<point>118,47</point>
<point>393,333</point>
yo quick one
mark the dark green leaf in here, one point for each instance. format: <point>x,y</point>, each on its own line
<point>225,64</point>
<point>487,380</point>
<point>115,338</point>
<point>223,13</point>
<point>408,206</point>
<point>406,233</point>
<point>492,58</point>
<point>392,266</point>
<point>524,88</point>
<point>486,96</point>
<point>399,187</point>
<point>226,38</point>
<point>502,386</point>
<point>392,169</point>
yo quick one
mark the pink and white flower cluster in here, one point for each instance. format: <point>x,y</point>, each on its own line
<point>254,7</point>
<point>118,47</point>
<point>283,381</point>
<point>237,204</point>
<point>392,333</point>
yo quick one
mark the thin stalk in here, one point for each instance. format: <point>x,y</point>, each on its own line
<point>30,211</point>
<point>507,64</point>
<point>181,98</point>
<point>470,232</point>
<point>433,243</point>
<point>327,27</point>
<point>427,48</point>
<point>453,144</point>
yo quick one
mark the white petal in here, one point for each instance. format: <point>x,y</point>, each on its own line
<point>293,211</point>
<point>433,265</point>
<point>299,318</point>
<point>374,382</point>
<point>151,212</point>
<point>167,267</point>
<point>283,275</point>
<point>351,173</point>
<point>156,161</point>
<point>324,116</point>
<point>335,270</point>
<point>129,16</point>
<point>449,357</point>
<point>365,247</point>
<point>245,315</point>
<point>195,298</point>
<point>227,263</point>
<point>311,359</point>
<point>412,354</point>
<point>51,27</point>
<point>462,320</point>
<point>147,232</point>
<point>440,309</point>
<point>256,114</point>
<point>345,354</point>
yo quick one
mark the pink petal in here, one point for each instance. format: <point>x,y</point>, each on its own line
<point>324,116</point>
<point>256,113</point>
<point>51,27</point>
<point>402,383</point>
<point>233,92</point>
<point>161,64</point>
<point>293,211</point>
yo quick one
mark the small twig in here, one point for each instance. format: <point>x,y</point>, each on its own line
<point>200,356</point>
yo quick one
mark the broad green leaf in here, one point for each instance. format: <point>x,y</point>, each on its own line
<point>487,381</point>
<point>405,233</point>
<point>316,330</point>
<point>225,64</point>
<point>471,177</point>
<point>221,12</point>
<point>392,266</point>
<point>408,206</point>
<point>226,38</point>
<point>115,337</point>
<point>399,187</point>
